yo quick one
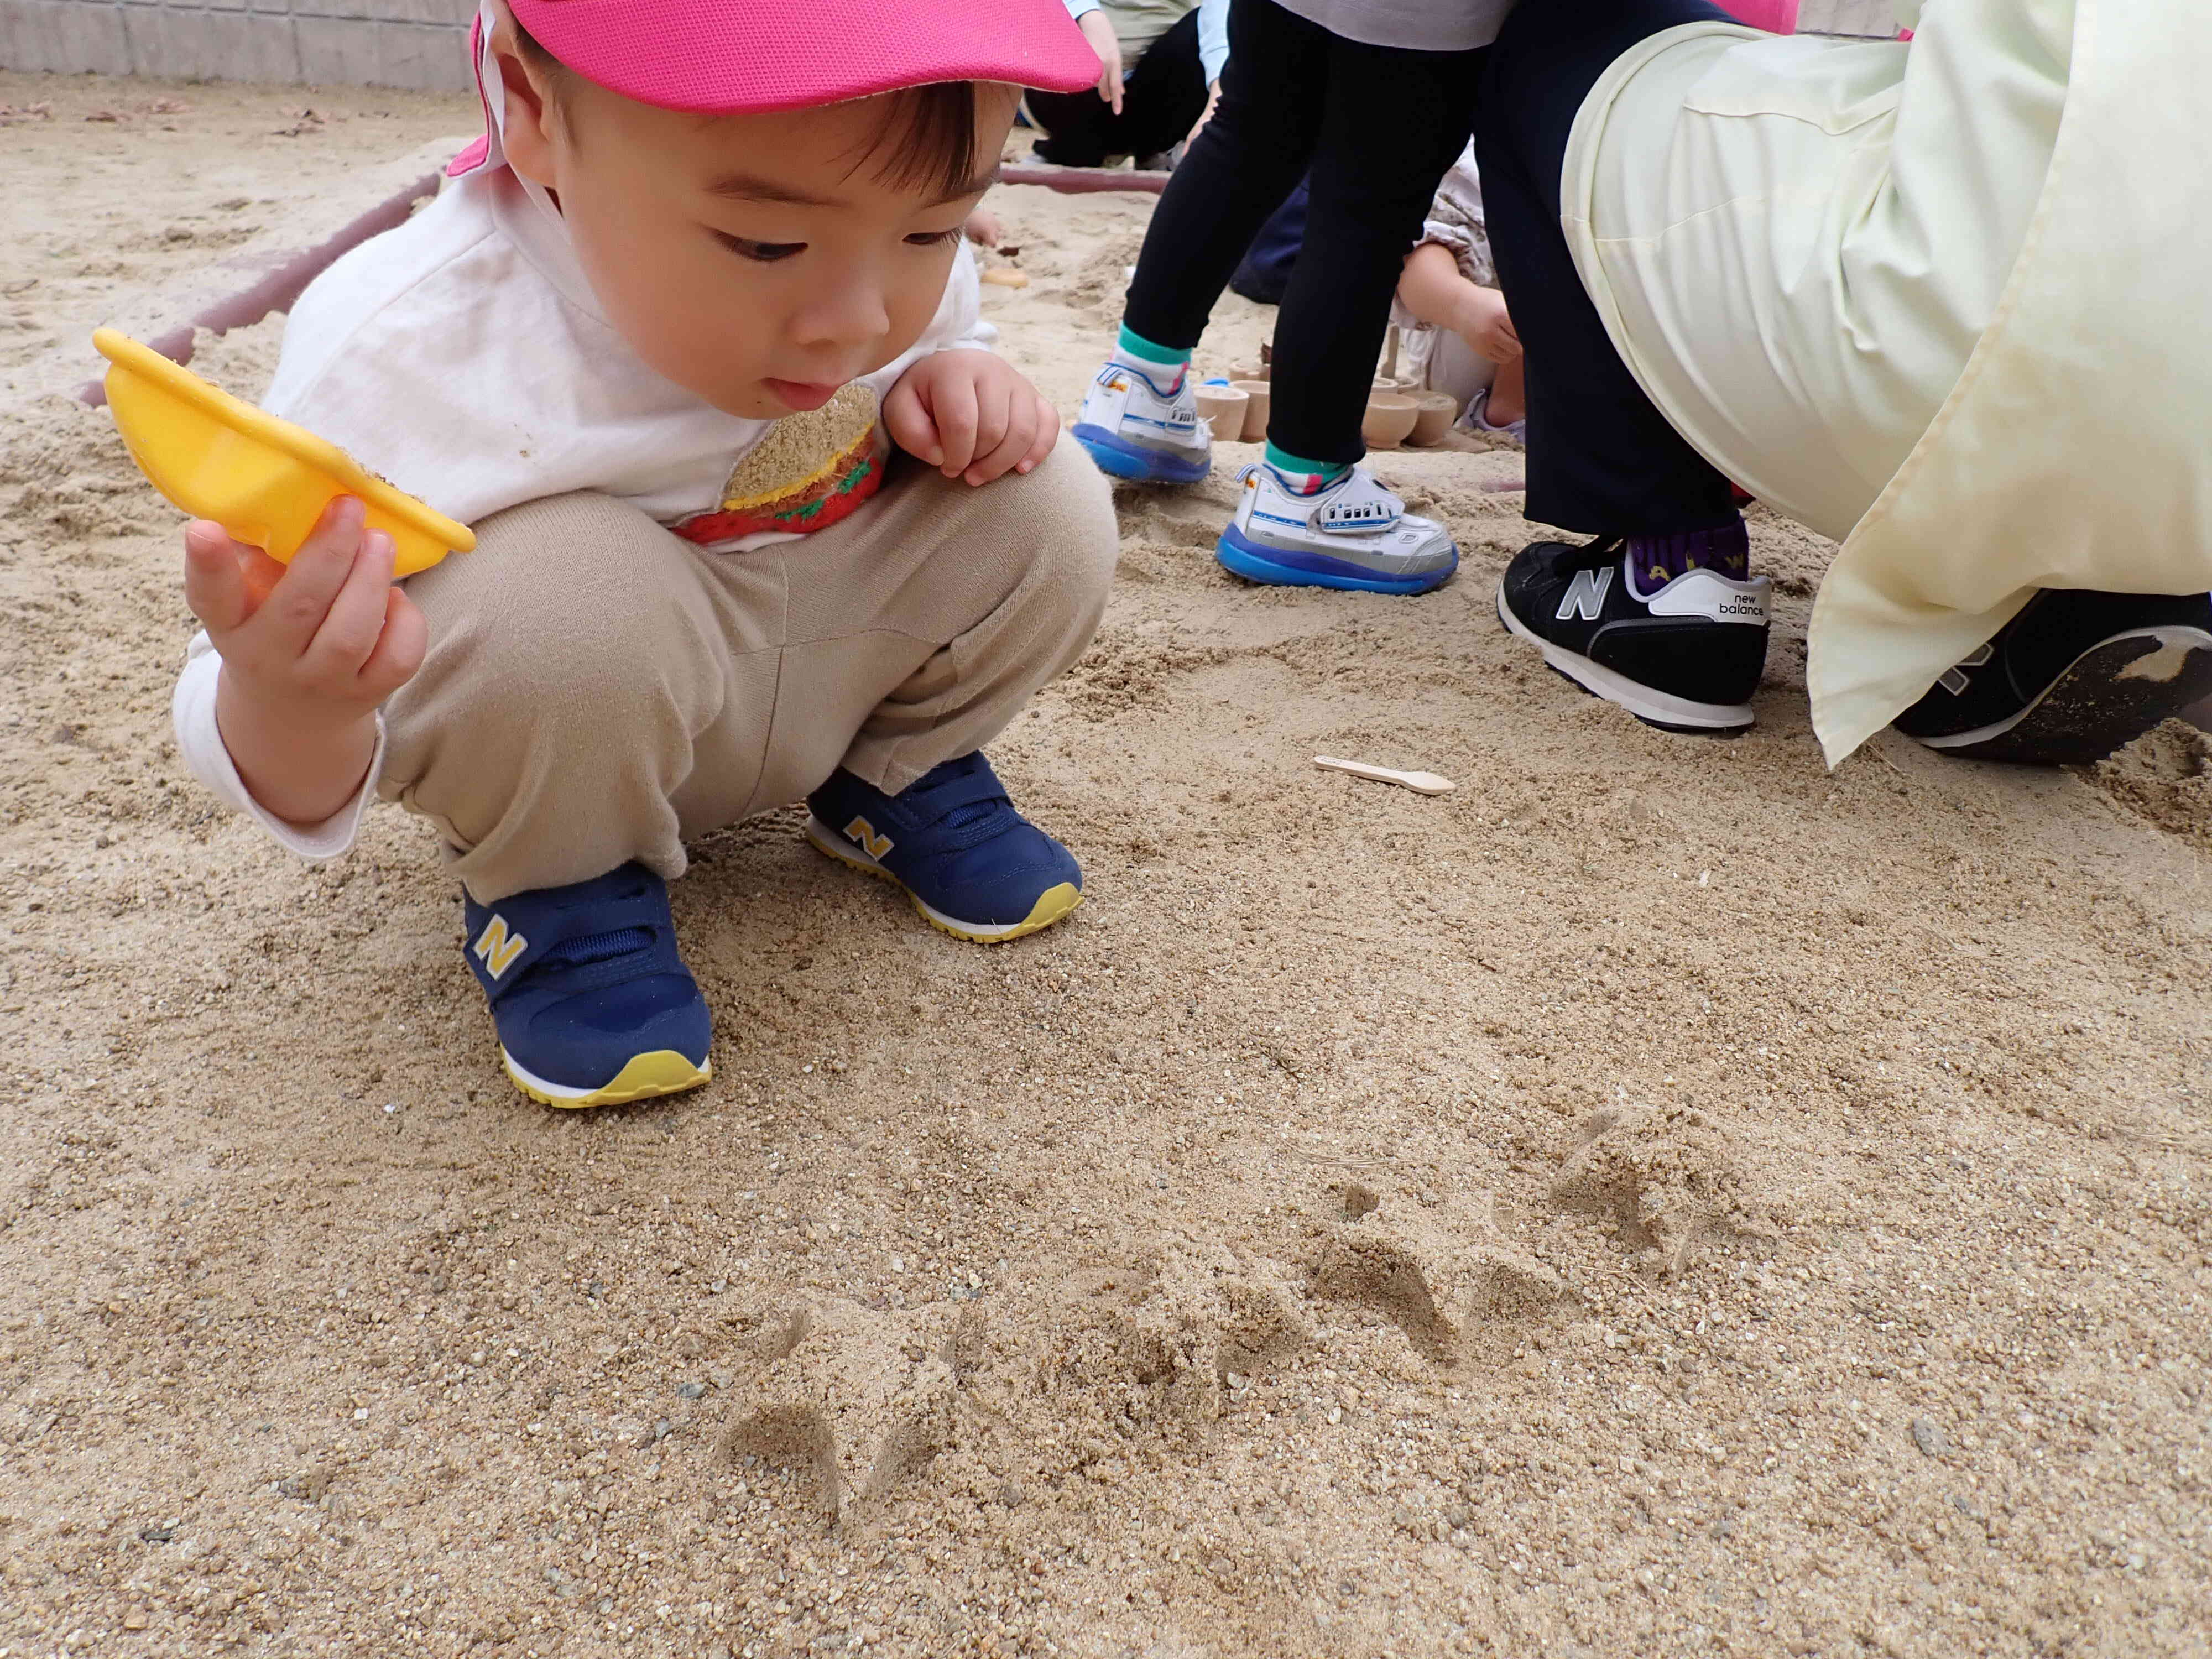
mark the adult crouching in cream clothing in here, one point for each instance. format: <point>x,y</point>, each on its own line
<point>1940,301</point>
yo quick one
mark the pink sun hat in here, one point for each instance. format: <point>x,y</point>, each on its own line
<point>749,57</point>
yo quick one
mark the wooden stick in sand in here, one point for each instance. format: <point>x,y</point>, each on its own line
<point>1421,783</point>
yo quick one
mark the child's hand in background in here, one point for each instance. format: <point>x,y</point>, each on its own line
<point>984,228</point>
<point>1098,29</point>
<point>971,414</point>
<point>309,650</point>
<point>1486,324</point>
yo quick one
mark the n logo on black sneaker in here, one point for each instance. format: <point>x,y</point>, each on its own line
<point>1585,595</point>
<point>1955,680</point>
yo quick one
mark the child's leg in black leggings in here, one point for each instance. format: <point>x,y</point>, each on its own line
<point>1236,172</point>
<point>1602,460</point>
<point>1393,123</point>
<point>1380,127</point>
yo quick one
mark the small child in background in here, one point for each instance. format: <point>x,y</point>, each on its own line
<point>1458,336</point>
<point>693,341</point>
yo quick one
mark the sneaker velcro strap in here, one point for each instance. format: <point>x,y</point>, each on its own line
<point>968,781</point>
<point>1361,506</point>
<point>1112,371</point>
<point>588,933</point>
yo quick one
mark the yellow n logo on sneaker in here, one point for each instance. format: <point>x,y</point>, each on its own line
<point>873,845</point>
<point>497,948</point>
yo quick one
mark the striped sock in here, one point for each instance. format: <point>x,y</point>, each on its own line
<point>1657,560</point>
<point>1133,351</point>
<point>1302,476</point>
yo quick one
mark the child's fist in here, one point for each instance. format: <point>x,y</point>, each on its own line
<point>330,629</point>
<point>309,650</point>
<point>971,414</point>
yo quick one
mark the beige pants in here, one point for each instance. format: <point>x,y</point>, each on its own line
<point>598,689</point>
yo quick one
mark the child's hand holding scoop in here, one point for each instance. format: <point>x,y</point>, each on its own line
<point>309,651</point>
<point>283,570</point>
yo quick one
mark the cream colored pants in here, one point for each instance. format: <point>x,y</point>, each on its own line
<point>598,689</point>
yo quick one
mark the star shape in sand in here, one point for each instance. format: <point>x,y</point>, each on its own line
<point>844,1392</point>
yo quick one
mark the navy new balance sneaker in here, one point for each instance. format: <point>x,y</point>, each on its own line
<point>592,1004</point>
<point>972,865</point>
<point>2074,676</point>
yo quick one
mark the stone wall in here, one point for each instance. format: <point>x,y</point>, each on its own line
<point>418,44</point>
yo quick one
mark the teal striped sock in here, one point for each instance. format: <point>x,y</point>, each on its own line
<point>1307,477</point>
<point>1135,345</point>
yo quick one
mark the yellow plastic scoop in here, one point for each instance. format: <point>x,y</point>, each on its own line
<point>264,480</point>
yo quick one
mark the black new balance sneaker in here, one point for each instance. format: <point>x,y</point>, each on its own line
<point>2074,676</point>
<point>1685,659</point>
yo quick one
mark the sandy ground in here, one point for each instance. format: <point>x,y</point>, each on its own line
<point>1662,1199</point>
<point>121,183</point>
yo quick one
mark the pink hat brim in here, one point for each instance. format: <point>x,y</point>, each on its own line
<point>749,57</point>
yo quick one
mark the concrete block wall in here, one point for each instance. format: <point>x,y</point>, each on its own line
<point>416,43</point>
<point>422,45</point>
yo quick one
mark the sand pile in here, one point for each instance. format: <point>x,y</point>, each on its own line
<point>2166,776</point>
<point>1660,1199</point>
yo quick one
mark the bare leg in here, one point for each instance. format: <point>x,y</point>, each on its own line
<point>1508,392</point>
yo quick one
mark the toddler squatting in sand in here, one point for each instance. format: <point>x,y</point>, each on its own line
<point>695,346</point>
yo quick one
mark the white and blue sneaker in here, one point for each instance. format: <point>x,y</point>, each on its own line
<point>1137,430</point>
<point>592,1004</point>
<point>974,866</point>
<point>1350,533</point>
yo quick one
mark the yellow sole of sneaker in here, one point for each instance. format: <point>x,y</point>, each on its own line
<point>663,1071</point>
<point>1053,904</point>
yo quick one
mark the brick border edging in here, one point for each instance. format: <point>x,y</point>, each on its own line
<point>1085,181</point>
